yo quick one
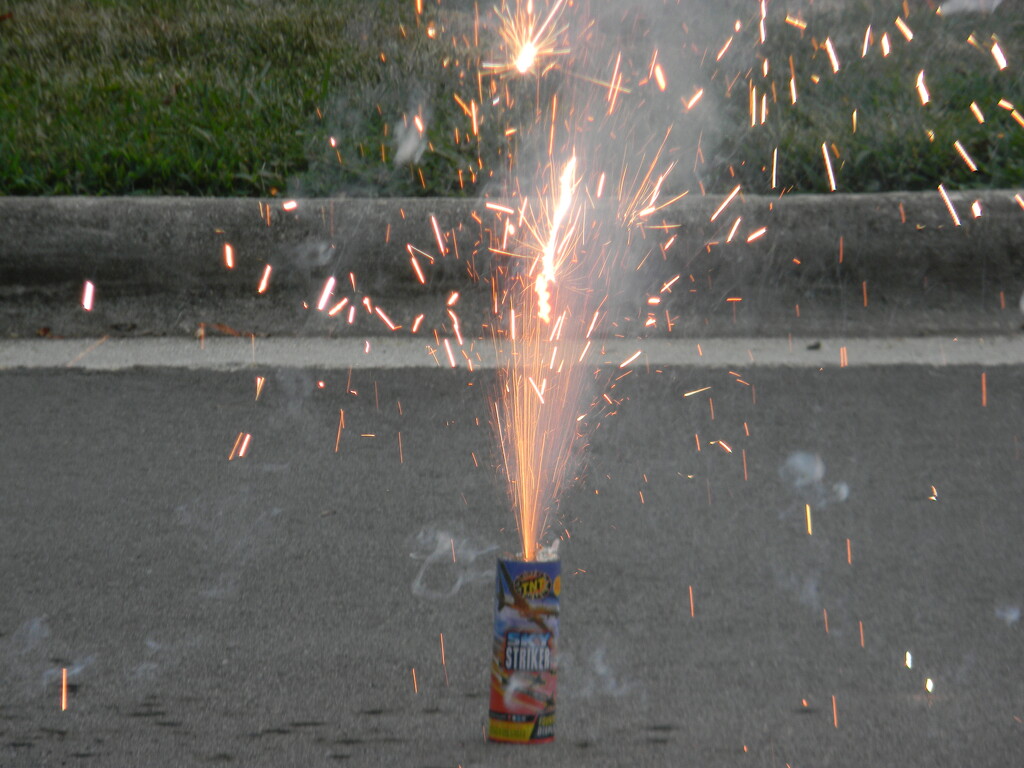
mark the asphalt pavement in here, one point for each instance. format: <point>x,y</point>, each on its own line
<point>773,571</point>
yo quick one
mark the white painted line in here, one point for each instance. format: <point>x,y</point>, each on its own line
<point>110,354</point>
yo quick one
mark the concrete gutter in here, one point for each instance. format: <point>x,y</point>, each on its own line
<point>152,244</point>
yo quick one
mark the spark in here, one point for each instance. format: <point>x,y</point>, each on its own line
<point>807,511</point>
<point>976,209</point>
<point>527,40</point>
<point>976,110</point>
<point>88,291</point>
<point>908,660</point>
<point>387,320</point>
<point>796,22</point>
<point>828,167</point>
<point>831,51</point>
<point>732,231</point>
<point>696,392</point>
<point>694,99</point>
<point>417,269</point>
<point>726,202</point>
<point>289,205</point>
<point>260,382</point>
<point>659,76</point>
<point>929,685</point>
<point>444,665</point>
<point>229,256</point>
<point>338,307</point>
<point>437,234</point>
<point>630,359</point>
<point>997,54</point>
<point>341,426</point>
<point>325,295</point>
<point>835,713</point>
<point>499,208</point>
<point>984,390</point>
<point>885,44</point>
<point>241,446</point>
<point>548,264</point>
<point>264,280</point>
<point>949,205</point>
<point>902,26</point>
<point>965,157</point>
<point>922,89</point>
<point>867,42</point>
<point>691,602</point>
<point>756,234</point>
<point>63,689</point>
<point>415,683</point>
<point>724,48</point>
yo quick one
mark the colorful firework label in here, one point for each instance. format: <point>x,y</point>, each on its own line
<point>524,666</point>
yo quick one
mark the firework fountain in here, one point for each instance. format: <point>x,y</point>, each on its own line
<point>565,237</point>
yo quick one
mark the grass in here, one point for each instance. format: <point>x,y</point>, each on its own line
<point>319,97</point>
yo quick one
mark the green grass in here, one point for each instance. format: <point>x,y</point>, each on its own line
<point>243,98</point>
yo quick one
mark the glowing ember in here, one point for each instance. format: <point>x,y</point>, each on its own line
<point>88,292</point>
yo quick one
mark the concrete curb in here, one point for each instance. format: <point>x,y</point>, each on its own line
<point>895,241</point>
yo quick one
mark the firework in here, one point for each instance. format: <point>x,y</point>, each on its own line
<point>524,667</point>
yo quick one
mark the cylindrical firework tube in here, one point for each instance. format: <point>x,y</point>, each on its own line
<point>524,668</point>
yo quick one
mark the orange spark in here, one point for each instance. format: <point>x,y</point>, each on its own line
<point>828,167</point>
<point>997,54</point>
<point>548,264</point>
<point>965,157</point>
<point>949,205</point>
<point>229,256</point>
<point>265,280</point>
<point>630,359</point>
<point>831,51</point>
<point>902,26</point>
<point>922,89</point>
<point>325,295</point>
<point>726,202</point>
<point>88,291</point>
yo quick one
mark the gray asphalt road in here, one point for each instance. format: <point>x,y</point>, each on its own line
<point>271,609</point>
